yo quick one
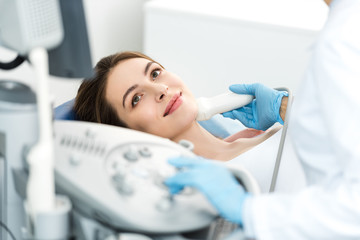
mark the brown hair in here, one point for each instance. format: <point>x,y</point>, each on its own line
<point>90,103</point>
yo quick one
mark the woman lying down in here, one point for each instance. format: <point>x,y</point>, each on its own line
<point>132,90</point>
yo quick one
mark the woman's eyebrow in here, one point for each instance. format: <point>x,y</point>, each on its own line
<point>128,92</point>
<point>136,85</point>
<point>147,67</point>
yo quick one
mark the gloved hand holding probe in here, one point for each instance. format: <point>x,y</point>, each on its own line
<point>263,111</point>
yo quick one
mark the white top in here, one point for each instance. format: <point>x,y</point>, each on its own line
<point>325,128</point>
<point>303,14</point>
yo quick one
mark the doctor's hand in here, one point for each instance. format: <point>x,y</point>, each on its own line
<point>214,181</point>
<point>267,108</point>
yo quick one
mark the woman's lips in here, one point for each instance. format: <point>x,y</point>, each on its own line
<point>174,104</point>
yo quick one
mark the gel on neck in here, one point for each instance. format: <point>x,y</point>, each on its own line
<point>208,107</point>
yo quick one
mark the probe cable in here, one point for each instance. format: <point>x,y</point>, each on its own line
<point>7,230</point>
<point>13,64</point>
<point>282,139</point>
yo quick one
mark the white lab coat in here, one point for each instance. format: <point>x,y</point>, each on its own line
<point>325,127</point>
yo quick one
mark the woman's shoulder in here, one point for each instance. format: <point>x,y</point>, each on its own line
<point>253,135</point>
<point>246,133</point>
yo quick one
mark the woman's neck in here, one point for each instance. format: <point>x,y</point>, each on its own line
<point>209,146</point>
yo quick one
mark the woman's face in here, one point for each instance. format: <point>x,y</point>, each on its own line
<point>150,99</point>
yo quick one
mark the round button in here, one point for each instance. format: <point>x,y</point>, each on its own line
<point>118,178</point>
<point>145,152</point>
<point>165,204</point>
<point>130,154</point>
<point>159,181</point>
<point>125,188</point>
<point>74,160</point>
<point>122,185</point>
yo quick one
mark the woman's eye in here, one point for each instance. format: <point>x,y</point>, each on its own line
<point>155,74</point>
<point>135,100</point>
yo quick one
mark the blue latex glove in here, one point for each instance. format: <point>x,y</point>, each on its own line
<point>263,111</point>
<point>214,181</point>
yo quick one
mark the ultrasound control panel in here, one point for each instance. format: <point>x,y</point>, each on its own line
<point>115,175</point>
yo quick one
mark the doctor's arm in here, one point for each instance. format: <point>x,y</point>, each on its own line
<point>329,144</point>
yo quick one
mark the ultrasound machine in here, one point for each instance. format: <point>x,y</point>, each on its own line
<point>66,179</point>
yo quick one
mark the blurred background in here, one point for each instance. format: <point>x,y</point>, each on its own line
<point>210,44</point>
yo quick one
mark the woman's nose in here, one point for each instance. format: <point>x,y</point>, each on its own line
<point>161,92</point>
